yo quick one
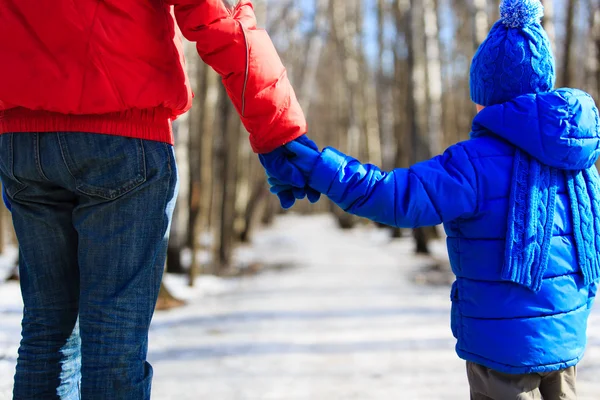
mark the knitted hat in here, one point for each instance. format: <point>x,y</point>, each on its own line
<point>515,58</point>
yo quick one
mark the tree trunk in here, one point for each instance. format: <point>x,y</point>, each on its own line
<point>402,90</point>
<point>346,35</point>
<point>418,52</point>
<point>380,82</point>
<point>257,195</point>
<point>230,127</point>
<point>568,47</point>
<point>494,11</point>
<point>315,46</point>
<point>434,77</point>
<point>178,234</point>
<point>463,108</point>
<point>593,62</point>
<point>421,241</point>
<point>548,21</point>
<point>166,300</point>
<point>448,96</point>
<point>418,71</point>
<point>481,23</point>
<point>196,191</point>
<point>597,29</point>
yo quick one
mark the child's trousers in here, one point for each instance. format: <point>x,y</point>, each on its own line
<point>487,384</point>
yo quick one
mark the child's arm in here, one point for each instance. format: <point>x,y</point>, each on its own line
<point>431,192</point>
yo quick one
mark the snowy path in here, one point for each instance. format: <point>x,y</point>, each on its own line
<point>345,322</point>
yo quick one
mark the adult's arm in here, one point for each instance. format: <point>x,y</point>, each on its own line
<point>256,81</point>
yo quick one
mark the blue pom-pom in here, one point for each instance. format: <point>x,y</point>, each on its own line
<point>520,13</point>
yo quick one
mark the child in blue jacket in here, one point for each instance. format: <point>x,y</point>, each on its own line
<point>520,203</point>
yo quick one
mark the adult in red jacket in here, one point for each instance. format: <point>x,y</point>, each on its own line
<point>88,91</point>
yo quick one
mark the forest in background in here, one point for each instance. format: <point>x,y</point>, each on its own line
<point>386,81</point>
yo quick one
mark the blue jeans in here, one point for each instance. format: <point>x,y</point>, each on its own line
<point>92,215</point>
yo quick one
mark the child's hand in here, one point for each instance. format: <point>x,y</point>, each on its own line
<point>303,157</point>
<point>287,169</point>
<point>288,194</point>
<point>277,164</point>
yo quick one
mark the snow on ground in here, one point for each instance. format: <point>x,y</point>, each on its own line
<point>344,321</point>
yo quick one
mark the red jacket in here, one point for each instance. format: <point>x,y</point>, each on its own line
<point>116,67</point>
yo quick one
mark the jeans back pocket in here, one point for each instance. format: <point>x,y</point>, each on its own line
<point>104,166</point>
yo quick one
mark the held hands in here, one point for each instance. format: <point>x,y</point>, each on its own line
<point>288,168</point>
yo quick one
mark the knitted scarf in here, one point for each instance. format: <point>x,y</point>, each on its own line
<point>531,219</point>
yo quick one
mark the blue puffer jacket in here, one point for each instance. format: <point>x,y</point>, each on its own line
<point>499,324</point>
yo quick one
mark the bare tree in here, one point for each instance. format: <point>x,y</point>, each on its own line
<point>593,52</point>
<point>568,48</point>
<point>201,179</point>
<point>434,76</point>
<point>480,21</point>
<point>380,81</point>
<point>314,50</point>
<point>548,21</point>
<point>230,132</point>
<point>345,31</point>
<point>596,28</point>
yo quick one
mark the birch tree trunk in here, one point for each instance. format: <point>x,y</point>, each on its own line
<point>434,77</point>
<point>423,43</point>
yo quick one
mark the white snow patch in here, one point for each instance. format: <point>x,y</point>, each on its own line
<point>204,285</point>
<point>7,261</point>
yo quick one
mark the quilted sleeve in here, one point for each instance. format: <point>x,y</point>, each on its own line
<point>256,81</point>
<point>438,190</point>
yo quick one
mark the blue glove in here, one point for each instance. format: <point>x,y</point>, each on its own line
<point>303,156</point>
<point>289,180</point>
<point>288,194</point>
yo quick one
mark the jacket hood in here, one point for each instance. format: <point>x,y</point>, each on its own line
<point>560,128</point>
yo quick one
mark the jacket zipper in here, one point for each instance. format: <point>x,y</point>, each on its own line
<point>247,69</point>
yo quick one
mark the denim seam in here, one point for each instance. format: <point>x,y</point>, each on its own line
<point>36,154</point>
<point>11,160</point>
<point>64,156</point>
<point>21,186</point>
<point>142,162</point>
